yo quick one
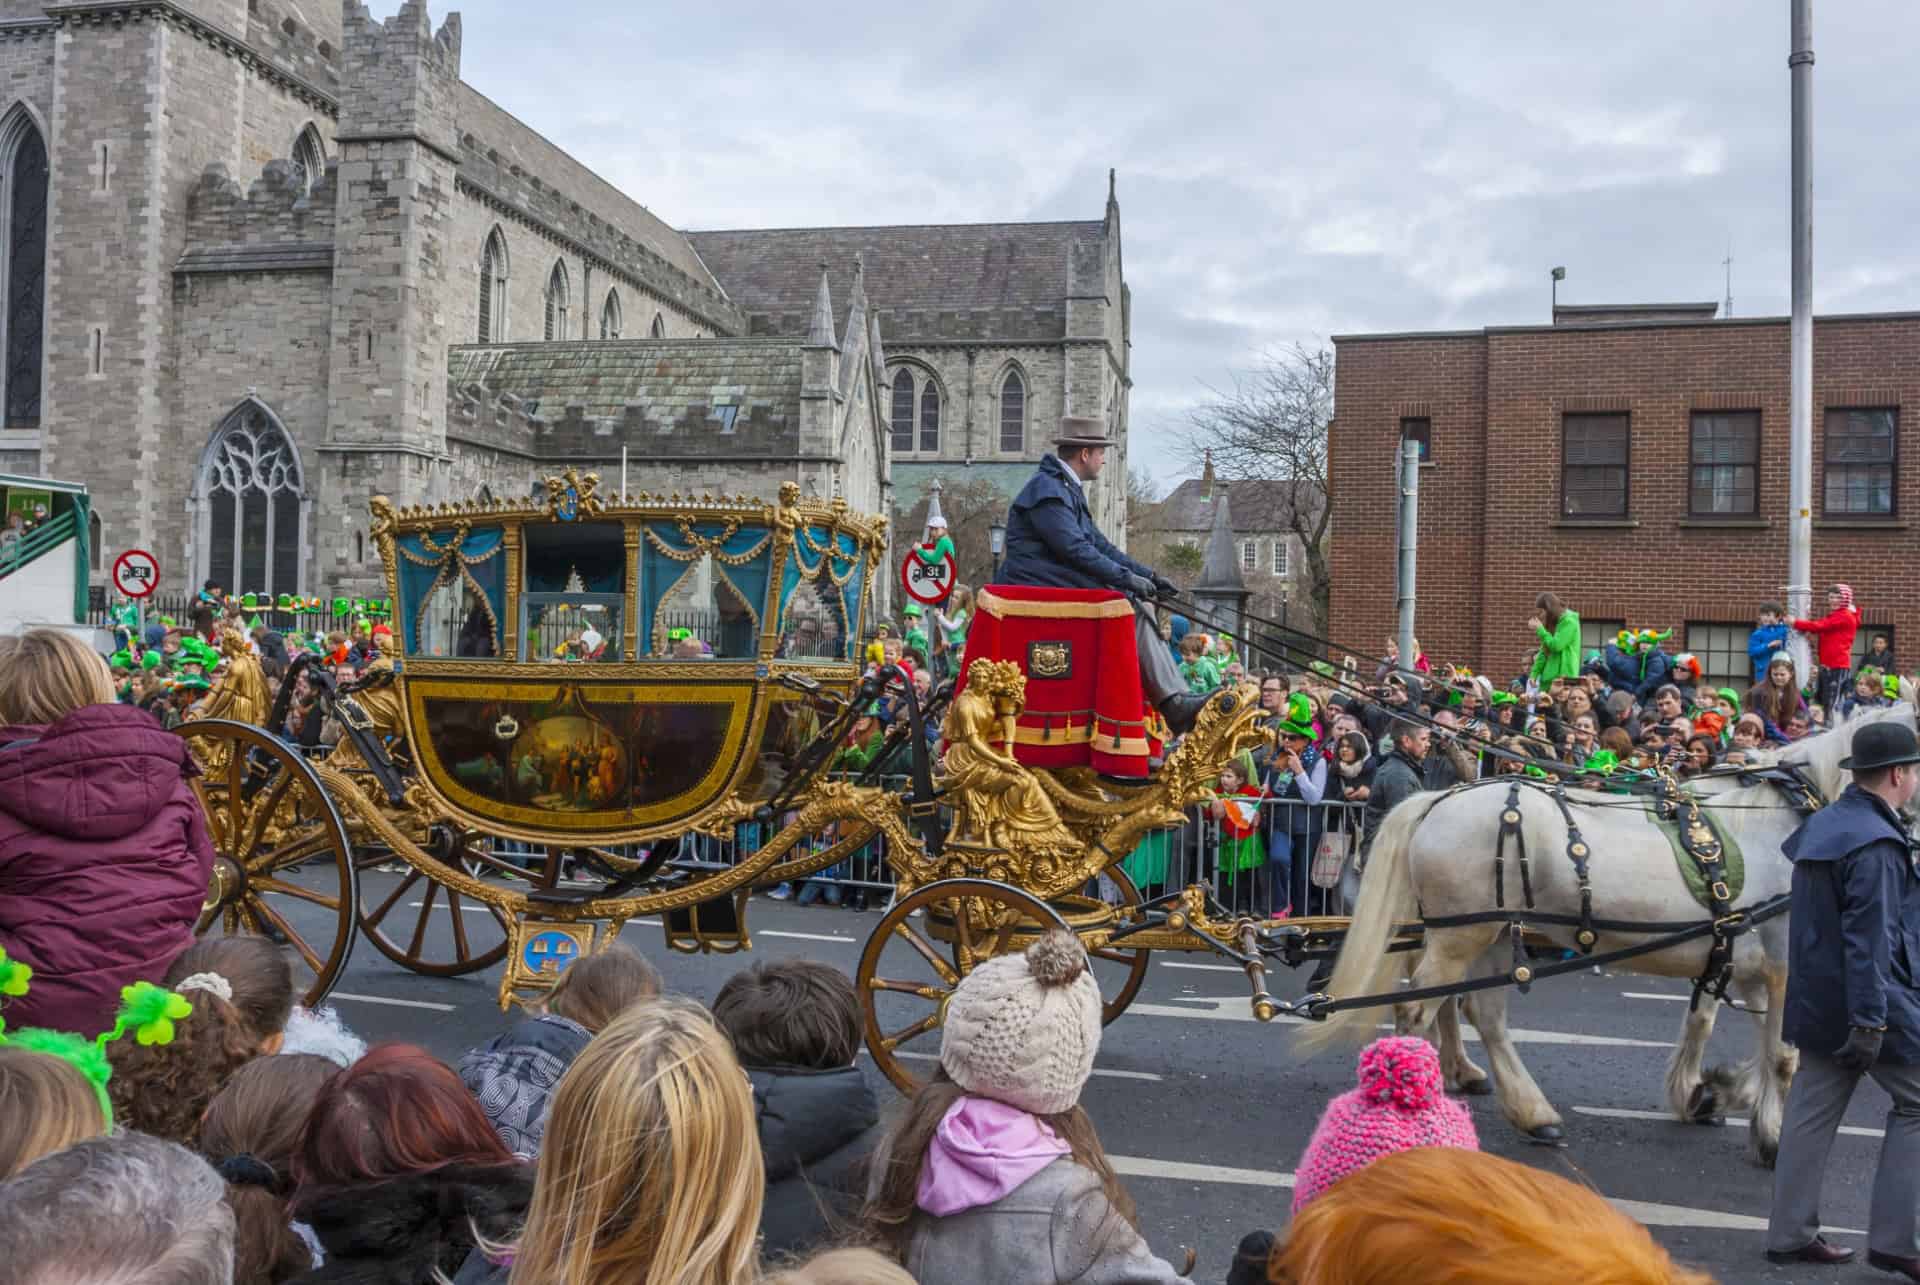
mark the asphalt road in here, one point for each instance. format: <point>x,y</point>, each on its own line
<point>1206,1111</point>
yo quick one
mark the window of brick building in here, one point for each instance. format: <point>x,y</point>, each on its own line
<point>1864,639</point>
<point>1419,430</point>
<point>1861,447</point>
<point>1013,413</point>
<point>1722,652</point>
<point>1280,557</point>
<point>1596,633</point>
<point>1723,479</point>
<point>1593,466</point>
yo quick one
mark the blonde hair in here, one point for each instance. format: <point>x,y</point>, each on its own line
<point>1468,1218</point>
<point>46,674</point>
<point>843,1267</point>
<point>651,1173</point>
<point>46,1105</point>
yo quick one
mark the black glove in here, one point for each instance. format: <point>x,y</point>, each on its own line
<point>1139,586</point>
<point>1861,1050</point>
<point>1250,1259</point>
<point>1166,587</point>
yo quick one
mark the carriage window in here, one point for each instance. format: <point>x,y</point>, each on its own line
<point>455,622</point>
<point>568,627</point>
<point>576,584</point>
<point>705,615</point>
<point>815,627</point>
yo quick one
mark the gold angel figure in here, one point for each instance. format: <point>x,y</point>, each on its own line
<point>240,692</point>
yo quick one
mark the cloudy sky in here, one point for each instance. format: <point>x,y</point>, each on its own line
<point>1315,170</point>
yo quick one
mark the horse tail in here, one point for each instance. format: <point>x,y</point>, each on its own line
<point>1386,901</point>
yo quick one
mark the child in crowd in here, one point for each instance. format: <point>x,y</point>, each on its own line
<point>994,1172</point>
<point>1196,666</point>
<point>241,990</point>
<point>398,1172</point>
<point>513,1076</point>
<point>842,1267</point>
<point>1833,638</point>
<point>1466,1216</point>
<point>1880,656</point>
<point>651,1173</point>
<point>1242,851</point>
<point>795,1025</point>
<point>251,1130</point>
<point>46,1104</point>
<point>1768,637</point>
<point>1777,699</point>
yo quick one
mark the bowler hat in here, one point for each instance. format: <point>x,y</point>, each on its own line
<point>1083,430</point>
<point>1879,745</point>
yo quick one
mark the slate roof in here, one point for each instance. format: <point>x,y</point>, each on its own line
<point>1257,506</point>
<point>918,277</point>
<point>273,256</point>
<point>666,377</point>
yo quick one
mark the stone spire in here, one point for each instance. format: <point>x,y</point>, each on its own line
<point>879,353</point>
<point>820,333</point>
<point>1220,570</point>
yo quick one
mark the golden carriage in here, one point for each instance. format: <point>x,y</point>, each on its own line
<point>600,709</point>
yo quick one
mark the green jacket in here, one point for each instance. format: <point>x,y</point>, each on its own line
<point>1559,655</point>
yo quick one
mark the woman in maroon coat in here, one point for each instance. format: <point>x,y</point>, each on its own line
<point>104,855</point>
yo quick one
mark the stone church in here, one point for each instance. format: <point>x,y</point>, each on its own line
<point>264,259</point>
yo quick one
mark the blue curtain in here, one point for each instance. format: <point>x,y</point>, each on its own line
<point>421,566</point>
<point>660,572</point>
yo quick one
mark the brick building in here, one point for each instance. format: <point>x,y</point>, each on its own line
<point>264,258</point>
<point>1633,460</point>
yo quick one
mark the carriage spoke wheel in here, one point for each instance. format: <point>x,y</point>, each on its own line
<point>283,866</point>
<point>919,952</point>
<point>427,927</point>
<point>1120,970</point>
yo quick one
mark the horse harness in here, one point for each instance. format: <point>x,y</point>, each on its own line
<point>1702,843</point>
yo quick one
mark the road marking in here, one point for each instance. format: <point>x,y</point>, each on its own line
<point>1098,1070</point>
<point>397,1003</point>
<point>1204,968</point>
<point>772,932</point>
<point>1736,1121</point>
<point>1239,1009</point>
<point>472,910</point>
<point>1650,1213</point>
<point>1678,999</point>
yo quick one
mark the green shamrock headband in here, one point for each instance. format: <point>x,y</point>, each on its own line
<point>147,1010</point>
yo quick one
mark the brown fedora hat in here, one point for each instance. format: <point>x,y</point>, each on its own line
<point>1083,430</point>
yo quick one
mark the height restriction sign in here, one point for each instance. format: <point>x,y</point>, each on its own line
<point>136,573</point>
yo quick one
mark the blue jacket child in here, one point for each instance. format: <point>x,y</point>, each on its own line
<point>1762,643</point>
<point>1854,932</point>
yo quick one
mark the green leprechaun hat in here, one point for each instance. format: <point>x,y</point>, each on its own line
<point>1298,718</point>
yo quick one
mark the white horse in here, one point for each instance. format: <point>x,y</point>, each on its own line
<point>1434,856</point>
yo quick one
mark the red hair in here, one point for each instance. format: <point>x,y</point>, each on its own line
<point>397,1111</point>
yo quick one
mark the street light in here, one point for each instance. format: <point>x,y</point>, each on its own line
<point>1559,275</point>
<point>997,545</point>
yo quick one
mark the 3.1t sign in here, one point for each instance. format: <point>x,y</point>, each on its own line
<point>136,573</point>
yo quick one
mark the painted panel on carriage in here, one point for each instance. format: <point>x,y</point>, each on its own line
<point>582,756</point>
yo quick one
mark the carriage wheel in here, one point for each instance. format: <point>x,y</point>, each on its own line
<point>1120,970</point>
<point>922,947</point>
<point>397,920</point>
<point>283,867</point>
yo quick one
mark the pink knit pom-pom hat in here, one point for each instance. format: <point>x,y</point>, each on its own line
<point>1401,1104</point>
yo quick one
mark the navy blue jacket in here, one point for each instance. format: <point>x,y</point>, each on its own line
<point>1854,936</point>
<point>1052,541</point>
<point>1627,673</point>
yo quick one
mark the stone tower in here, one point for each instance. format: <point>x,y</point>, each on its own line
<point>386,394</point>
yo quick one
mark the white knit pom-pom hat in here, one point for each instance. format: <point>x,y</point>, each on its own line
<point>1023,1028</point>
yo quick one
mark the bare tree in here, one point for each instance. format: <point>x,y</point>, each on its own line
<point>1272,424</point>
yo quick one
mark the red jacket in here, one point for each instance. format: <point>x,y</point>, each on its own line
<point>104,861</point>
<point>1835,632</point>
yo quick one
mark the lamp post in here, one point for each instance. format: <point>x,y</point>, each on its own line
<point>997,545</point>
<point>1558,275</point>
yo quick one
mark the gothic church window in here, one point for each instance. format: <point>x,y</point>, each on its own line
<point>251,503</point>
<point>659,326</point>
<point>915,400</point>
<point>557,302</point>
<point>1013,413</point>
<point>310,154</point>
<point>610,316</point>
<point>493,289</point>
<point>23,167</point>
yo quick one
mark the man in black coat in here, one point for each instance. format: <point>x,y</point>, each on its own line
<point>1853,1005</point>
<point>1053,542</point>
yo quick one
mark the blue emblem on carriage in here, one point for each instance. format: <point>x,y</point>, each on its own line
<point>567,507</point>
<point>550,952</point>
